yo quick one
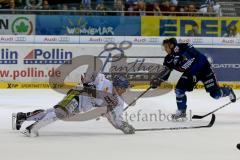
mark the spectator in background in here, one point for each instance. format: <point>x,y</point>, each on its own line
<point>119,6</point>
<point>165,6</point>
<point>101,8</point>
<point>131,2</point>
<point>211,2</point>
<point>232,32</point>
<point>87,10</point>
<point>65,6</point>
<point>73,10</point>
<point>86,3</point>
<point>210,11</point>
<point>186,9</point>
<point>33,5</point>
<point>210,5</point>
<point>174,2</point>
<point>156,9</point>
<point>12,5</point>
<point>131,9</point>
<point>45,5</point>
<point>194,32</point>
<point>3,1</point>
<point>4,4</point>
<point>141,8</point>
<point>172,10</point>
<point>169,6</point>
<point>192,9</point>
<point>183,10</point>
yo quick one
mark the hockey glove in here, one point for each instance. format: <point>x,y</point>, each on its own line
<point>90,88</point>
<point>127,128</point>
<point>154,83</point>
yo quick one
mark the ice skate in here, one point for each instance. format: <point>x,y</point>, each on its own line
<point>29,132</point>
<point>17,120</point>
<point>232,95</point>
<point>179,116</point>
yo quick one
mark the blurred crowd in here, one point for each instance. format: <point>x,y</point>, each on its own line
<point>121,7</point>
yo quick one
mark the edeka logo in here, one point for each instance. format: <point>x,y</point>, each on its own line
<point>22,25</point>
<point>8,56</point>
<point>82,28</point>
<point>53,56</point>
<point>187,26</point>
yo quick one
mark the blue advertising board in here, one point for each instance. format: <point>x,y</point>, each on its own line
<point>88,25</point>
<point>225,62</point>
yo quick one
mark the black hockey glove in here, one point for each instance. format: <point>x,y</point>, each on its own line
<point>154,83</point>
<point>90,88</point>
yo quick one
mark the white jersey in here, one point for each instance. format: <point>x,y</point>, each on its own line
<point>104,89</point>
<point>87,103</point>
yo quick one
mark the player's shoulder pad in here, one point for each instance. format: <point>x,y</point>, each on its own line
<point>184,46</point>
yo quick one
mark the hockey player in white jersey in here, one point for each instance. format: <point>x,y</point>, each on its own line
<point>97,91</point>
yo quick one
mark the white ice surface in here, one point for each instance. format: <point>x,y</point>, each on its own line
<point>94,140</point>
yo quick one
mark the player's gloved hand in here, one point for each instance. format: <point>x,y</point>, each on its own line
<point>127,128</point>
<point>90,88</point>
<point>154,83</point>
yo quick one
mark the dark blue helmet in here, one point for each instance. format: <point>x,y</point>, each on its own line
<point>171,41</point>
<point>120,81</point>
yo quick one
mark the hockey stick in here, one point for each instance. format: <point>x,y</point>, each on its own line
<point>161,80</point>
<point>137,98</point>
<point>210,124</point>
<point>105,63</point>
<point>200,117</point>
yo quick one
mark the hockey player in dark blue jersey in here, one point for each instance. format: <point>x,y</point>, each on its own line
<point>195,67</point>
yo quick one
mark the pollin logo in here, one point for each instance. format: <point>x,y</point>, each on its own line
<point>8,56</point>
<point>53,56</point>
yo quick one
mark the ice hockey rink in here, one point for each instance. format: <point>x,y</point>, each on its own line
<point>99,140</point>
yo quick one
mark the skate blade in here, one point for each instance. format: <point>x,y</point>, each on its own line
<point>26,133</point>
<point>180,119</point>
<point>14,118</point>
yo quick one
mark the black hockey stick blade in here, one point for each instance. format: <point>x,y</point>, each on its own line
<point>200,117</point>
<point>210,124</point>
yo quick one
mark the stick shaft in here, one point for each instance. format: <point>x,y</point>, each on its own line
<point>210,124</point>
<point>137,98</point>
<point>215,110</point>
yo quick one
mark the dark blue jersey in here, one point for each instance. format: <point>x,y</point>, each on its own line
<point>185,58</point>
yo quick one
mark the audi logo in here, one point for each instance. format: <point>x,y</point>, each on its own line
<point>238,41</point>
<point>20,39</point>
<point>153,40</point>
<point>197,40</point>
<point>109,39</point>
<point>63,39</point>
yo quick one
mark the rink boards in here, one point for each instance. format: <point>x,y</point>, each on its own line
<point>36,61</point>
